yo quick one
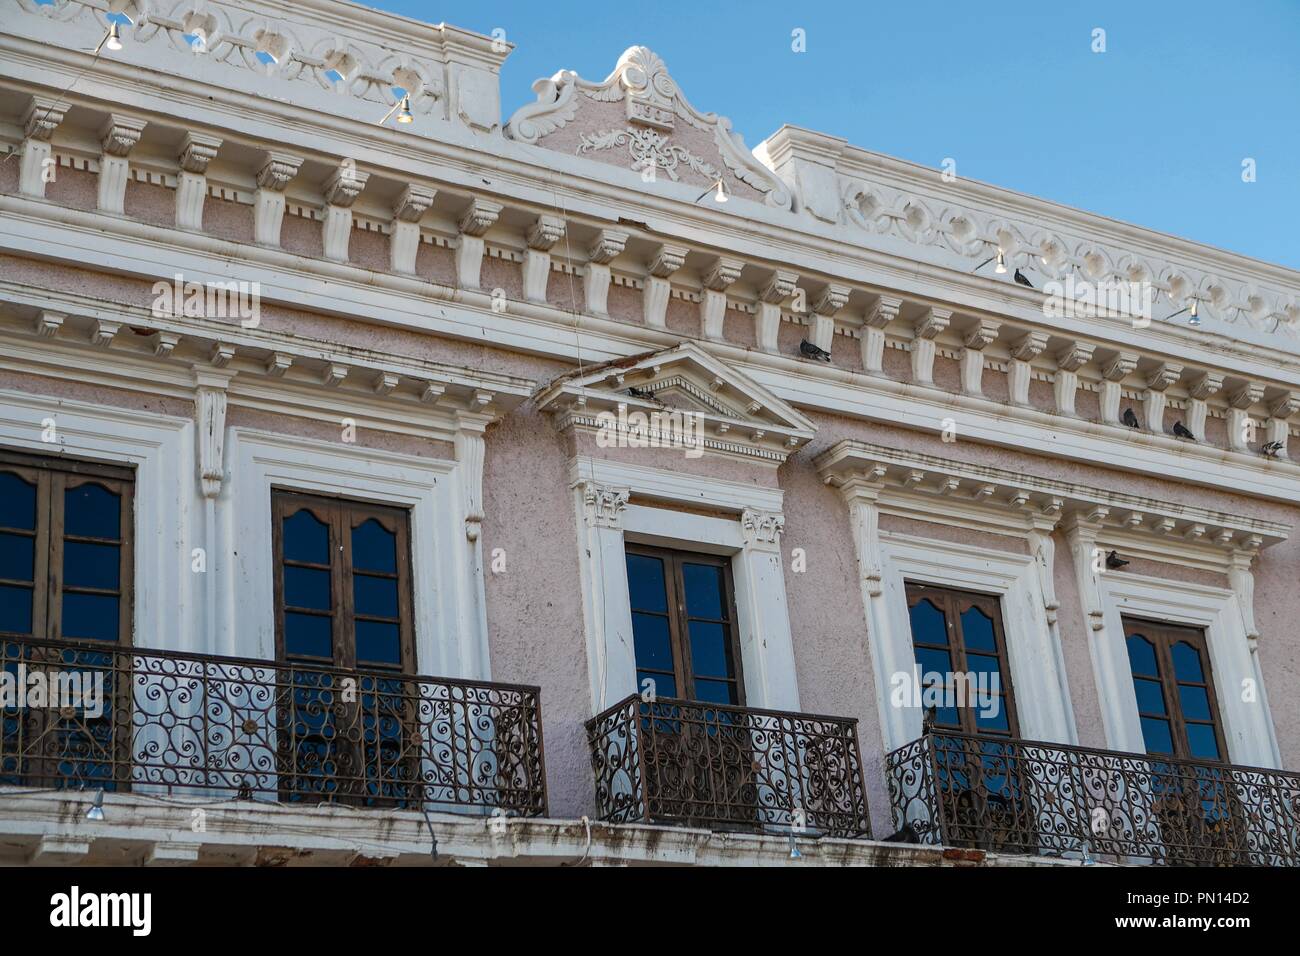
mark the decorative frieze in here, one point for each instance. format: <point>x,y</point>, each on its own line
<point>404,244</point>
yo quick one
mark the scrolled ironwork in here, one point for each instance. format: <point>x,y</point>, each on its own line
<point>1030,797</point>
<point>173,722</point>
<point>723,767</point>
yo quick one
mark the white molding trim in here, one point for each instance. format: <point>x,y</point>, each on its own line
<point>1247,725</point>
<point>161,448</point>
<point>602,491</point>
<point>449,639</point>
<point>1041,689</point>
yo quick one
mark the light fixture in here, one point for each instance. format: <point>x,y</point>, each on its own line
<point>1001,267</point>
<point>719,192</point>
<point>1193,318</point>
<point>403,110</point>
<point>114,41</point>
<point>794,848</point>
<point>96,811</point>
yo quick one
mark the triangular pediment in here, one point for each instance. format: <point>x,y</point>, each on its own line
<point>638,119</point>
<point>737,415</point>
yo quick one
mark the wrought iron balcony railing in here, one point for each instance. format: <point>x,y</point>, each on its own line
<point>1028,797</point>
<point>737,768</point>
<point>168,722</point>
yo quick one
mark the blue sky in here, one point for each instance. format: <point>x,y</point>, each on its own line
<point>1153,131</point>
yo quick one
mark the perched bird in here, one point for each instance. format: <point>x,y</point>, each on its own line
<point>808,350</point>
<point>1271,449</point>
<point>641,393</point>
<point>1181,431</point>
<point>1114,561</point>
<point>1021,280</point>
<point>908,834</point>
<point>1130,419</point>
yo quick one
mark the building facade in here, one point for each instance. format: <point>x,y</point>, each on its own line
<point>584,486</point>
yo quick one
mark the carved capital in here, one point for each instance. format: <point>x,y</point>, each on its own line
<point>981,334</point>
<point>479,217</point>
<point>666,260</point>
<point>1030,345</point>
<point>413,203</point>
<point>883,311</point>
<point>778,287</point>
<point>119,134</point>
<point>545,233</point>
<point>761,527</point>
<point>277,169</point>
<point>831,299</point>
<point>603,506</point>
<point>345,185</point>
<point>932,322</point>
<point>42,118</point>
<point>1205,384</point>
<point>607,246</point>
<point>1164,375</point>
<point>1074,356</point>
<point>1119,367</point>
<point>721,273</point>
<point>196,151</point>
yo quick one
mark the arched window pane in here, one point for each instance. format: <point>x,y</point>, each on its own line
<point>17,503</point>
<point>92,511</point>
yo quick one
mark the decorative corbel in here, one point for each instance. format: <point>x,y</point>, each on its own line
<point>1081,533</point>
<point>596,278</point>
<point>341,191</point>
<point>404,244</point>
<point>474,223</point>
<point>927,328</point>
<point>469,445</point>
<point>210,387</point>
<point>975,341</point>
<point>1068,362</point>
<point>42,118</point>
<point>1240,401</point>
<point>666,260</point>
<point>828,302</point>
<point>717,278</point>
<point>1202,387</point>
<point>1279,427</point>
<point>1154,398</point>
<point>778,287</point>
<point>883,311</point>
<point>117,137</point>
<point>542,236</point>
<point>1113,374</point>
<point>48,323</point>
<point>1021,369</point>
<point>196,152</point>
<point>268,206</point>
<point>1242,581</point>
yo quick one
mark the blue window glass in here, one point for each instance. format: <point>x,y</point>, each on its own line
<point>17,503</point>
<point>928,624</point>
<point>977,631</point>
<point>306,538</point>
<point>1142,656</point>
<point>645,579</point>
<point>92,511</point>
<point>653,644</point>
<point>93,616</point>
<point>1187,663</point>
<point>374,548</point>
<point>375,597</point>
<point>705,596</point>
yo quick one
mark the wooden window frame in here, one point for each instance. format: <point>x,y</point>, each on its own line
<point>340,515</point>
<point>678,620</point>
<point>1163,635</point>
<point>951,602</point>
<point>52,476</point>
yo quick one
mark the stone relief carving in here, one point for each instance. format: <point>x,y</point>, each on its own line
<point>648,149</point>
<point>653,103</point>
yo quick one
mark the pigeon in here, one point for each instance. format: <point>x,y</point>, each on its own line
<point>808,350</point>
<point>1271,449</point>
<point>1114,561</point>
<point>1021,280</point>
<point>1130,419</point>
<point>1181,431</point>
<point>641,393</point>
<point>906,835</point>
